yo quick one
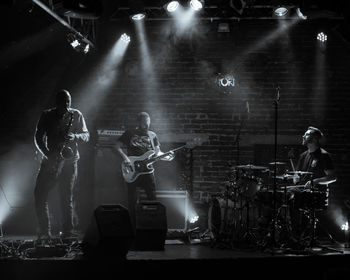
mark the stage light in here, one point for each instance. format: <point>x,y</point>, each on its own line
<point>137,8</point>
<point>77,43</point>
<point>87,48</point>
<point>322,37</point>
<point>280,11</point>
<point>345,226</point>
<point>125,38</point>
<point>196,5</point>
<point>300,14</point>
<point>138,16</point>
<point>194,219</point>
<point>238,5</point>
<point>172,6</point>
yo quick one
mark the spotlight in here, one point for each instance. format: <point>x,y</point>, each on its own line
<point>77,43</point>
<point>345,228</point>
<point>87,48</point>
<point>138,16</point>
<point>125,38</point>
<point>137,8</point>
<point>300,14</point>
<point>194,219</point>
<point>196,5</point>
<point>322,37</point>
<point>172,6</point>
<point>280,11</point>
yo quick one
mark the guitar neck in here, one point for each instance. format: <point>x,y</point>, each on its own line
<point>154,159</point>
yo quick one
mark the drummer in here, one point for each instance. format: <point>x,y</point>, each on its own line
<point>315,160</point>
<point>314,171</point>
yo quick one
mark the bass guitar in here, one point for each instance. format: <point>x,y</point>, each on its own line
<point>143,164</point>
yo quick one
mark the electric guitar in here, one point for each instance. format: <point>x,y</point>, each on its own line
<point>143,164</point>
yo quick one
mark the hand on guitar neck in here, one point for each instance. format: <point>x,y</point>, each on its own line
<point>134,166</point>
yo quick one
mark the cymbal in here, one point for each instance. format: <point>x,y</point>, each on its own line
<point>300,172</point>
<point>251,166</point>
<point>284,177</point>
<point>277,163</point>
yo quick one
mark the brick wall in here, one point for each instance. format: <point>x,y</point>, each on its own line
<point>182,96</point>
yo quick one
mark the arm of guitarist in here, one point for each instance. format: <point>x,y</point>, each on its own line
<point>169,157</point>
<point>118,147</point>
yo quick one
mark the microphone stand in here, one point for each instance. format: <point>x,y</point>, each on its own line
<point>273,232</point>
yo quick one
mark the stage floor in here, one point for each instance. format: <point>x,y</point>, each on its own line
<point>207,260</point>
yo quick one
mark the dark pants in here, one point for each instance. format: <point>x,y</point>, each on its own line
<point>64,175</point>
<point>301,209</point>
<point>145,182</point>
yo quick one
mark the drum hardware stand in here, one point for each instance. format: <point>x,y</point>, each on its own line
<point>274,210</point>
<point>313,243</point>
<point>233,233</point>
<point>248,236</point>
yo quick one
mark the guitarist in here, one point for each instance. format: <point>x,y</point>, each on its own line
<point>137,142</point>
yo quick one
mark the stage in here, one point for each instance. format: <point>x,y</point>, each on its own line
<point>62,259</point>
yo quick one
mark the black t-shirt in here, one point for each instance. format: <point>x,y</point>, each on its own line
<point>316,162</point>
<point>138,141</point>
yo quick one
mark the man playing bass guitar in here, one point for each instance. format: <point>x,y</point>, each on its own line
<point>137,142</point>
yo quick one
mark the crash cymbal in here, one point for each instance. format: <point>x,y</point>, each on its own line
<point>300,172</point>
<point>251,166</point>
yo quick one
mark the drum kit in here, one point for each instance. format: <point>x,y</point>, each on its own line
<point>253,207</point>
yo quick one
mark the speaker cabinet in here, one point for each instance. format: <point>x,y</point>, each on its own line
<point>110,233</point>
<point>151,226</point>
<point>177,207</point>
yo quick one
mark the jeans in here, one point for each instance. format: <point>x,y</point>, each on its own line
<point>61,173</point>
<point>147,183</point>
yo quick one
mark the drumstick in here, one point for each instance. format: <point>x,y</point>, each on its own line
<point>291,162</point>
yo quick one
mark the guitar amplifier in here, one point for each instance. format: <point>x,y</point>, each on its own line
<point>177,207</point>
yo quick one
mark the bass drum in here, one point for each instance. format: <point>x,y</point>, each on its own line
<point>220,215</point>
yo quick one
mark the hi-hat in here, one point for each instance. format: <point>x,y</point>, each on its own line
<point>251,166</point>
